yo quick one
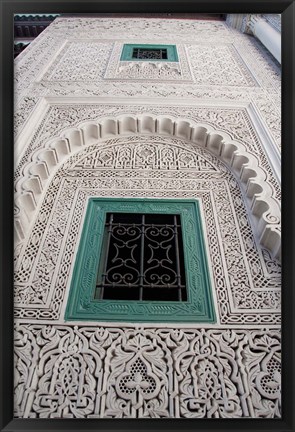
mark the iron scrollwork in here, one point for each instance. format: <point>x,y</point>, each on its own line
<point>141,258</point>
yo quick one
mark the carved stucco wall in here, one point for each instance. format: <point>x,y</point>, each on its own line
<point>79,133</point>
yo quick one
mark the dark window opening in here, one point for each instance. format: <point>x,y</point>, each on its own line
<point>149,53</point>
<point>141,258</point>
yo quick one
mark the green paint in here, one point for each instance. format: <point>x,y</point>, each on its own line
<point>81,303</point>
<point>128,50</point>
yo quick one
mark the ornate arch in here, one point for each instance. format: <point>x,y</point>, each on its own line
<point>257,192</point>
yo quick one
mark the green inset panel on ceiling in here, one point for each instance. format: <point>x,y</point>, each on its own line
<point>147,52</point>
<point>85,302</point>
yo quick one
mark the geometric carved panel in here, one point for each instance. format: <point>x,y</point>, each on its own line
<point>220,65</point>
<point>79,61</point>
<point>249,294</point>
<point>229,369</point>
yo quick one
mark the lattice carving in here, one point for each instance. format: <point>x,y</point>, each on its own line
<point>148,70</point>
<point>223,207</point>
<point>144,156</point>
<point>80,61</point>
<point>95,372</point>
<point>220,65</point>
<point>134,70</point>
<point>234,154</point>
<point>62,43</point>
<point>140,145</point>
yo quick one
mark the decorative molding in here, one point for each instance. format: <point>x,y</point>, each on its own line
<point>50,48</point>
<point>212,136</point>
<point>267,34</point>
<point>42,270</point>
<point>137,70</point>
<point>198,307</point>
<point>245,165</point>
<point>140,30</point>
<point>267,28</point>
<point>272,150</point>
<point>169,52</point>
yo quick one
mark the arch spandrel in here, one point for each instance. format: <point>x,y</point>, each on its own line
<point>245,166</point>
<point>243,273</point>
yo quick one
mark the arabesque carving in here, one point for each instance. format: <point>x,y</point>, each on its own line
<point>246,291</point>
<point>136,70</point>
<point>205,128</point>
<point>96,372</point>
<point>263,206</point>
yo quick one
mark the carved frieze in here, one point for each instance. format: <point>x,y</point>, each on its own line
<point>96,372</point>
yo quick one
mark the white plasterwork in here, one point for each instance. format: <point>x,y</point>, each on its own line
<point>110,174</point>
<point>44,104</point>
<point>84,128</point>
<point>160,71</point>
<point>264,208</point>
<point>247,59</point>
<point>142,373</point>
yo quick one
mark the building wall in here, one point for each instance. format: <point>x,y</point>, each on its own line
<point>206,128</point>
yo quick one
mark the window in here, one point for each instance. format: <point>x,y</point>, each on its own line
<point>149,53</point>
<point>132,52</point>
<point>141,260</point>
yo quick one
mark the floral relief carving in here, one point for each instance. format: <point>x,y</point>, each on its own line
<point>128,70</point>
<point>79,61</point>
<point>235,122</point>
<point>263,364</point>
<point>126,129</point>
<point>219,66</point>
<point>148,173</point>
<point>26,354</point>
<point>95,372</point>
<point>194,37</point>
<point>138,378</point>
<point>209,394</point>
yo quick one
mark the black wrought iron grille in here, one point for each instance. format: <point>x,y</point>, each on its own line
<point>142,258</point>
<point>149,53</point>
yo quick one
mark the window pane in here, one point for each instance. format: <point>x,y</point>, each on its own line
<point>141,258</point>
<point>149,53</point>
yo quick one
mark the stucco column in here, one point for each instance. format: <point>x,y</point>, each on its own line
<point>270,37</point>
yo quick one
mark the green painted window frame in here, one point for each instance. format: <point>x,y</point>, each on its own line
<point>198,308</point>
<point>127,50</point>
